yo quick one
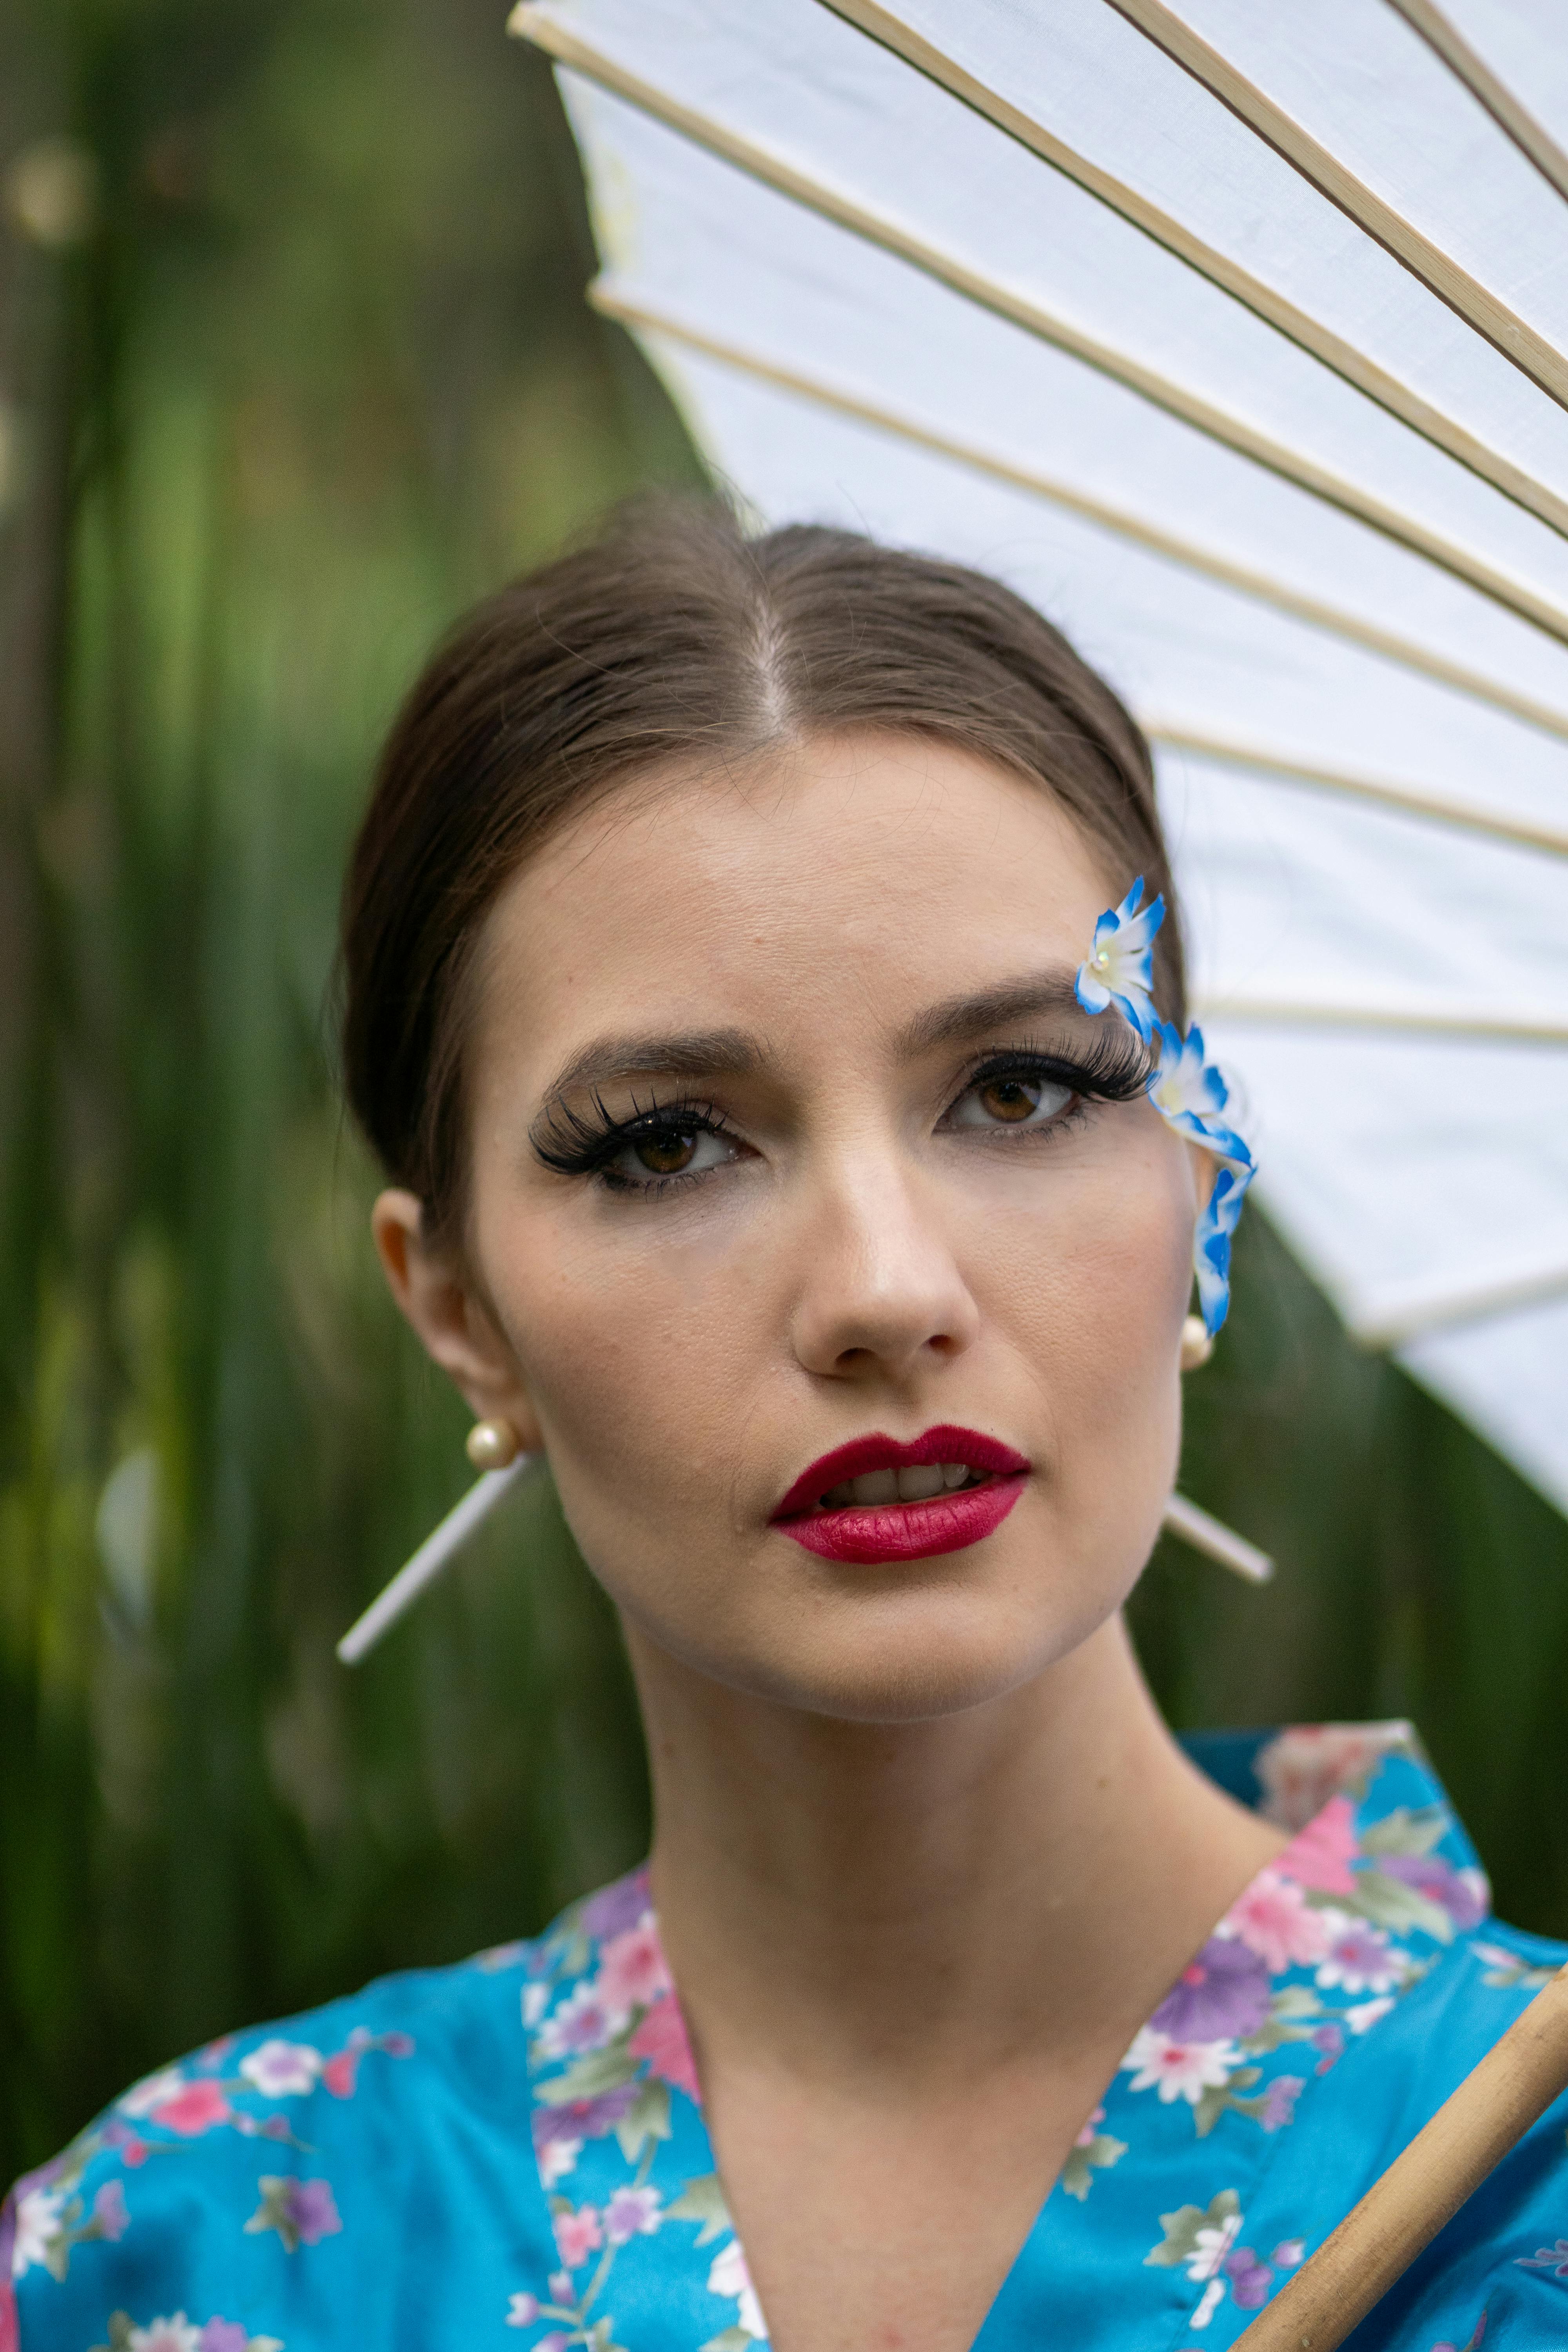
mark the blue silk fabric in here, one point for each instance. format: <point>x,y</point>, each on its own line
<point>511,2154</point>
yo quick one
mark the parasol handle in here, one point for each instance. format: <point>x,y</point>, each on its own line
<point>1425,2186</point>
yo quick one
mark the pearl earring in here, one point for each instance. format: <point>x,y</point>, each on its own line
<point>1197,1347</point>
<point>492,1445</point>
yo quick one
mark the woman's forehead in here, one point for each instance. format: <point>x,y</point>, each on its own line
<point>890,871</point>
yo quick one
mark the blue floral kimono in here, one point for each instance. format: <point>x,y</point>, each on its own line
<point>512,2153</point>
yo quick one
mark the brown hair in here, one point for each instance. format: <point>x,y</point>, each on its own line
<point>674,636</point>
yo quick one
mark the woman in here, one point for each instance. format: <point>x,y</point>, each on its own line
<point>770,1149</point>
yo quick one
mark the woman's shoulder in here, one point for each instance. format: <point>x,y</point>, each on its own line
<point>276,2168</point>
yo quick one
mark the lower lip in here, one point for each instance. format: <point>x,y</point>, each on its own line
<point>873,1532</point>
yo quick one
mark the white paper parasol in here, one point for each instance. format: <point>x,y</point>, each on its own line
<point>1237,338</point>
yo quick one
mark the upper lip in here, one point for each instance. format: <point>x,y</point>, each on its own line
<point>864,1455</point>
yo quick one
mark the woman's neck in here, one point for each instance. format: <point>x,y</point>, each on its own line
<point>946,1896</point>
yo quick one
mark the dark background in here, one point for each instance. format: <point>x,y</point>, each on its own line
<point>293,365</point>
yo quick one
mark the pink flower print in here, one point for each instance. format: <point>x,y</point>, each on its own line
<point>1548,2258</point>
<point>340,2072</point>
<point>396,2045</point>
<point>213,2056</point>
<point>282,2069</point>
<point>1222,1993</point>
<point>224,2335</point>
<point>561,2287</point>
<point>1086,2136</point>
<point>194,2108</point>
<point>1320,1856</point>
<point>730,2276</point>
<point>152,2091</point>
<point>630,2213</point>
<point>522,2311</point>
<point>661,2038</point>
<point>1275,1920</point>
<point>577,2233</point>
<point>1360,1960</point>
<point>135,2152</point>
<point>632,1970</point>
<point>583,2021</point>
<point>1300,1771</point>
<point>1181,2070</point>
<point>108,2212</point>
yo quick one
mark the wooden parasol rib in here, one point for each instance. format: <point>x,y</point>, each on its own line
<point>1470,2134</point>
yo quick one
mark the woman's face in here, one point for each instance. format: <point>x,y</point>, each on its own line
<point>787,1134</point>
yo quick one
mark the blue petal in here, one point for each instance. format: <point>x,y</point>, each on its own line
<point>1136,1009</point>
<point>1090,992</point>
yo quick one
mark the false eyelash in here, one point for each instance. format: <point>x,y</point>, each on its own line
<point>1112,1066</point>
<point>576,1145</point>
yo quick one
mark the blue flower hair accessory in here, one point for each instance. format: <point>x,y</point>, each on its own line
<point>1186,1090</point>
<point>1120,967</point>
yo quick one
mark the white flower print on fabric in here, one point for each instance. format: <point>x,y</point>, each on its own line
<point>730,2276</point>
<point>38,2228</point>
<point>282,2069</point>
<point>1204,2243</point>
<point>1178,2070</point>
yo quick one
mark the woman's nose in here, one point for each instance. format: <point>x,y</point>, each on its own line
<point>880,1289</point>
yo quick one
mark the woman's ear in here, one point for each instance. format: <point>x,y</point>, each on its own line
<point>457,1329</point>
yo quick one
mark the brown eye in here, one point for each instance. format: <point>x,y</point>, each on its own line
<point>665,1155</point>
<point>1016,1097</point>
<point>1010,1099</point>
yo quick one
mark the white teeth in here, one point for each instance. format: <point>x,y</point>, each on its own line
<point>918,1486</point>
<point>875,1487</point>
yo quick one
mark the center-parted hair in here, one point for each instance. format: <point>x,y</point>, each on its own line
<point>675,638</point>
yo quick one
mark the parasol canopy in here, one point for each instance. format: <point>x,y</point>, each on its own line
<point>1237,339</point>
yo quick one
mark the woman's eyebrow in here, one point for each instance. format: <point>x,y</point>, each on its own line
<point>681,1054</point>
<point>1050,992</point>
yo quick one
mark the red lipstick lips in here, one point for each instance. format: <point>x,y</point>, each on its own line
<point>892,1530</point>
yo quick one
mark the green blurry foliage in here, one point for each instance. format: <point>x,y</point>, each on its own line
<point>294,363</point>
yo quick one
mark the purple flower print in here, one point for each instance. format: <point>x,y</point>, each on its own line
<point>1463,1893</point>
<point>1361,1960</point>
<point>302,2212</point>
<point>1548,2258</point>
<point>313,2210</point>
<point>615,1908</point>
<point>1222,1993</point>
<point>1250,2280</point>
<point>582,2118</point>
<point>631,2213</point>
<point>1279,2101</point>
<point>108,2212</point>
<point>1328,2040</point>
<point>224,2335</point>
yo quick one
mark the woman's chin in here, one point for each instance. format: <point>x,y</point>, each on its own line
<point>890,1658</point>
